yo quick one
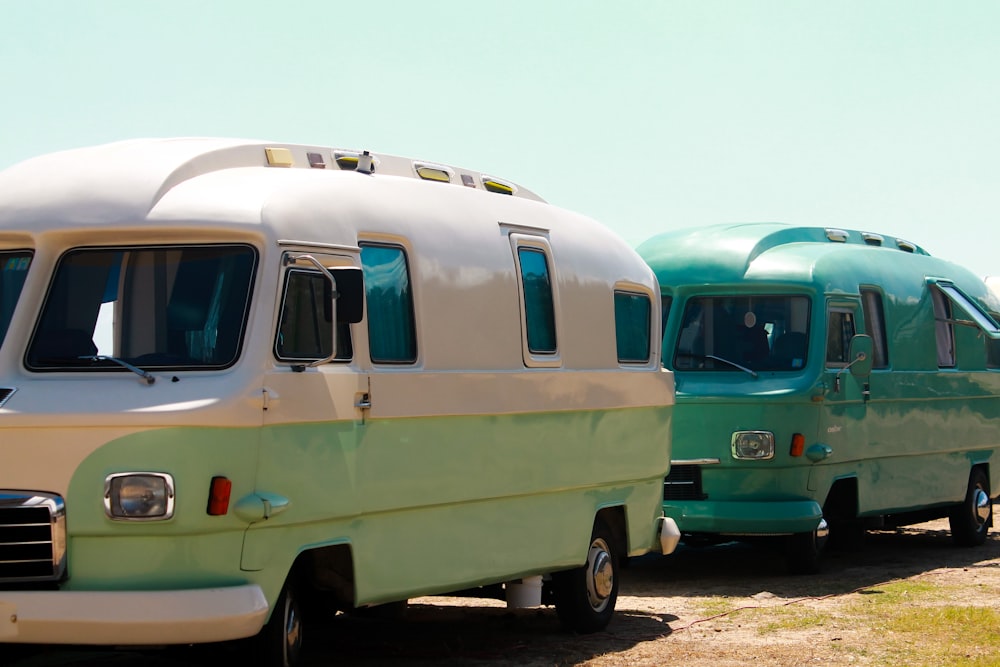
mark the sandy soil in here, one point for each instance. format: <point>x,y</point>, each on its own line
<point>714,606</point>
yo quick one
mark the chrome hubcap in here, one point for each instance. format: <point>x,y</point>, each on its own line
<point>601,575</point>
<point>293,633</point>
<point>981,506</point>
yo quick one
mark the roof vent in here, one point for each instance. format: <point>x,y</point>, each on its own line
<point>906,246</point>
<point>432,172</point>
<point>838,235</point>
<point>872,239</point>
<point>494,185</point>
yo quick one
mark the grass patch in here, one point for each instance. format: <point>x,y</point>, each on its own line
<point>922,630</point>
<point>716,605</point>
<point>791,618</point>
<point>901,592</point>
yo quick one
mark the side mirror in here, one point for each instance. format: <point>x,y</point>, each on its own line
<point>861,355</point>
<point>350,293</point>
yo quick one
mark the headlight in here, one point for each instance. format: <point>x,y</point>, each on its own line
<point>754,445</point>
<point>139,496</point>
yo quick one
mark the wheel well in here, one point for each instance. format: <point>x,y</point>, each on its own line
<point>328,571</point>
<point>842,500</point>
<point>614,517</point>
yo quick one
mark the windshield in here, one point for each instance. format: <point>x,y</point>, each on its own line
<point>13,271</point>
<point>152,307</point>
<point>748,333</point>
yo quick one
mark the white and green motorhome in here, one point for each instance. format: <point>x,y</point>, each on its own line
<point>237,376</point>
<point>828,381</point>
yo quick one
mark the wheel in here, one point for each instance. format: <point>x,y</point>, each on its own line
<point>804,551</point>
<point>280,641</point>
<point>971,520</point>
<point>585,597</point>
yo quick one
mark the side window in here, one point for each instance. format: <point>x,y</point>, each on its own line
<point>305,327</point>
<point>871,301</point>
<point>839,331</point>
<point>943,329</point>
<point>13,271</point>
<point>539,311</point>
<point>993,348</point>
<point>632,322</point>
<point>392,331</point>
<point>665,311</point>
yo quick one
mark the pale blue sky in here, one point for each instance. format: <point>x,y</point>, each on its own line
<point>649,116</point>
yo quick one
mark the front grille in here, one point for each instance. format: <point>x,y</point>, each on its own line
<point>32,537</point>
<point>683,483</point>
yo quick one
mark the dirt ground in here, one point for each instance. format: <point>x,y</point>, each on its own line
<point>714,606</point>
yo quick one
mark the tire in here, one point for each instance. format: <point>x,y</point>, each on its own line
<point>971,520</point>
<point>279,643</point>
<point>804,551</point>
<point>585,597</point>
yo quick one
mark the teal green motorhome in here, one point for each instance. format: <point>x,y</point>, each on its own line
<point>828,381</point>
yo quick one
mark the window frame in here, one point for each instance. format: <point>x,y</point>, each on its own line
<point>345,349</point>
<point>634,295</point>
<point>126,283</point>
<point>373,316</point>
<point>873,310</point>
<point>850,311</point>
<point>537,244</point>
<point>7,258</point>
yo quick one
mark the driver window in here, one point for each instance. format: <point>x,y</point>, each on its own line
<point>305,329</point>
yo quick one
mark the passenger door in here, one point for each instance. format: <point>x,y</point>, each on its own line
<point>843,427</point>
<point>313,412</point>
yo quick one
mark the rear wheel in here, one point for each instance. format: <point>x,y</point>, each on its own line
<point>971,520</point>
<point>585,597</point>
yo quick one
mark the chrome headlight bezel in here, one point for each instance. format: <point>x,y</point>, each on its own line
<point>753,445</point>
<point>148,496</point>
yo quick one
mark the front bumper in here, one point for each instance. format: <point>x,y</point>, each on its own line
<point>133,618</point>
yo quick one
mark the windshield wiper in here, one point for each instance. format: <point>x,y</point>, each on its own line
<point>749,371</point>
<point>145,375</point>
<point>752,372</point>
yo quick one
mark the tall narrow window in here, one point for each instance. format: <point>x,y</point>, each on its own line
<point>539,311</point>
<point>632,319</point>
<point>871,301</point>
<point>840,330</point>
<point>944,332</point>
<point>392,336</point>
